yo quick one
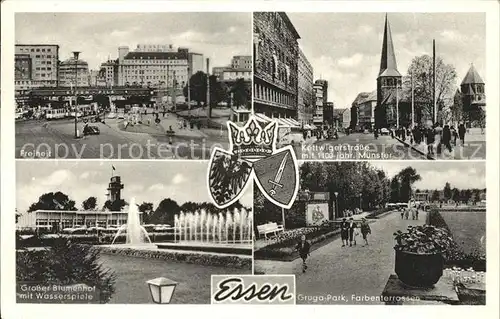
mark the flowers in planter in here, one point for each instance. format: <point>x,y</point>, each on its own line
<point>466,276</point>
<point>424,239</point>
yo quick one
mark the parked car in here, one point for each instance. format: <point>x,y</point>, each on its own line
<point>384,131</point>
<point>91,130</point>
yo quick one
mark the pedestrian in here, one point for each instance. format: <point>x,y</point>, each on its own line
<point>461,133</point>
<point>365,230</point>
<point>430,138</point>
<point>407,213</point>
<point>344,232</point>
<point>447,137</point>
<point>454,136</point>
<point>352,229</point>
<point>438,136</point>
<point>403,134</point>
<point>416,213</point>
<point>303,248</point>
<point>402,213</point>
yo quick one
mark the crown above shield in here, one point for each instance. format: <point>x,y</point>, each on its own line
<point>252,140</point>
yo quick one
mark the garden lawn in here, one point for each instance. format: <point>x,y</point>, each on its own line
<point>132,273</point>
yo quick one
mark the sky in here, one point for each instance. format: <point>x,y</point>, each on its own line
<point>434,175</point>
<point>345,48</point>
<point>149,181</point>
<point>218,36</point>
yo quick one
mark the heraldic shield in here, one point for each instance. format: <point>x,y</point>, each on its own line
<point>276,177</point>
<point>227,177</point>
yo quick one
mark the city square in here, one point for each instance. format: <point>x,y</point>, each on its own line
<point>107,99</point>
<point>356,94</point>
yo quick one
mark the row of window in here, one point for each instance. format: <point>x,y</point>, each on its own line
<point>48,56</point>
<point>154,61</point>
<point>35,50</point>
<point>44,69</point>
<point>265,93</point>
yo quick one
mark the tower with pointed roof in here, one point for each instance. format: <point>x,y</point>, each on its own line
<point>473,97</point>
<point>388,82</point>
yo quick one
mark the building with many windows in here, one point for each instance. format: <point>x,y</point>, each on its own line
<point>305,100</point>
<point>70,67</point>
<point>276,59</point>
<point>37,63</point>
<point>365,104</point>
<point>318,104</point>
<point>241,62</point>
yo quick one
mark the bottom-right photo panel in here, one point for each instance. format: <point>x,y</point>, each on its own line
<point>379,232</point>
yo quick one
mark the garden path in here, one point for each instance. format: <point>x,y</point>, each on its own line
<point>334,271</point>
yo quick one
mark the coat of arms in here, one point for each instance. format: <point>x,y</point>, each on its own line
<point>253,152</point>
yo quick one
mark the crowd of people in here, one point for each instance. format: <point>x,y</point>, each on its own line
<point>437,137</point>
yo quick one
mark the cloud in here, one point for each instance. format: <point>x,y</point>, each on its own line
<point>56,178</point>
<point>351,61</point>
<point>178,178</point>
<point>84,175</point>
<point>156,187</point>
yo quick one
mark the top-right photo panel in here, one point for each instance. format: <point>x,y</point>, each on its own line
<point>387,86</point>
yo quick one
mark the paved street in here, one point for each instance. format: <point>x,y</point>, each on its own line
<point>55,139</point>
<point>335,271</point>
<point>357,146</point>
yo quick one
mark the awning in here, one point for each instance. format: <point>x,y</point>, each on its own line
<point>262,118</point>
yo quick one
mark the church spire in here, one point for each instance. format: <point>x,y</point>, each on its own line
<point>388,66</point>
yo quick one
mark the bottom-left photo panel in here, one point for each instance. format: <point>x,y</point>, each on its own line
<point>125,232</point>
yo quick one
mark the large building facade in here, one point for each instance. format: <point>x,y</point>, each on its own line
<point>365,105</point>
<point>318,104</point>
<point>305,100</point>
<point>276,58</point>
<point>388,83</point>
<point>152,65</point>
<point>69,68</point>
<point>35,65</point>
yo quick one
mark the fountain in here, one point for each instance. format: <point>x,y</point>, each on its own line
<point>229,232</point>
<point>136,234</point>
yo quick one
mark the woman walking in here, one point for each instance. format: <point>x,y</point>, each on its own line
<point>352,230</point>
<point>344,232</point>
<point>365,230</point>
<point>303,248</point>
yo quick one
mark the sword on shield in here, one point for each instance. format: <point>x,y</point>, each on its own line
<point>277,178</point>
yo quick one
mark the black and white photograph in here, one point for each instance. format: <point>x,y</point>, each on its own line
<point>379,232</point>
<point>369,86</point>
<point>130,85</point>
<point>120,232</point>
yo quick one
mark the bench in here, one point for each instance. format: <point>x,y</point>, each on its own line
<point>269,228</point>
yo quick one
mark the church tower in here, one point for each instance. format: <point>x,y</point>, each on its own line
<point>472,88</point>
<point>388,82</point>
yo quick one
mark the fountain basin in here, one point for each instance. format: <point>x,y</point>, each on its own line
<point>224,248</point>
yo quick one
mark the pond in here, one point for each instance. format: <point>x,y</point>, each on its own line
<point>468,229</point>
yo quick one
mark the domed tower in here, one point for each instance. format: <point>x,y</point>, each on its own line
<point>388,81</point>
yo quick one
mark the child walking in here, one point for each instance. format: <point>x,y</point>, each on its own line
<point>303,248</point>
<point>365,230</point>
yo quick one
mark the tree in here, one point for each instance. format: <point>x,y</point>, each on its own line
<point>66,263</point>
<point>165,212</point>
<point>447,191</point>
<point>435,196</point>
<point>241,93</point>
<point>146,208</point>
<point>421,68</point>
<point>53,201</point>
<point>198,90</point>
<point>90,203</point>
<point>395,188</point>
<point>455,195</point>
<point>477,196</point>
<point>408,176</point>
<point>114,206</point>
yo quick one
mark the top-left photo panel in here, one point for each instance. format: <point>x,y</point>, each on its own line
<point>130,85</point>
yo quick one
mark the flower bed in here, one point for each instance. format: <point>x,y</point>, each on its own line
<point>231,261</point>
<point>284,248</point>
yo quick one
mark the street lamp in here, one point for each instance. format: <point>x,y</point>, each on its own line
<point>336,210</point>
<point>162,289</point>
<point>75,56</point>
